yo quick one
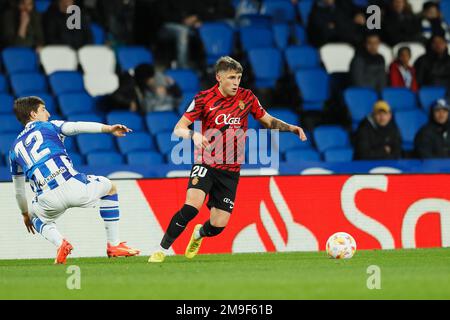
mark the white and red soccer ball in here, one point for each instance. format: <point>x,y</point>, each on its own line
<point>341,245</point>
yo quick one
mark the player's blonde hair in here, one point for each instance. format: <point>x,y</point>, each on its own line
<point>228,63</point>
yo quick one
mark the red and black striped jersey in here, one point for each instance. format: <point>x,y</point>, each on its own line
<point>224,124</point>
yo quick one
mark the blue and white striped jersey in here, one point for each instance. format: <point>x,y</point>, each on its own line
<point>39,153</point>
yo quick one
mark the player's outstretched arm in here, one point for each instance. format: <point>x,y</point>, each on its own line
<point>74,128</point>
<point>182,130</point>
<point>270,122</point>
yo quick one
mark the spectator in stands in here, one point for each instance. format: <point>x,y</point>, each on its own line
<point>433,68</point>
<point>147,91</point>
<point>55,26</point>
<point>117,16</point>
<point>367,68</point>
<point>378,137</point>
<point>336,21</point>
<point>433,139</point>
<point>22,26</point>
<point>432,22</point>
<point>401,73</point>
<point>400,24</point>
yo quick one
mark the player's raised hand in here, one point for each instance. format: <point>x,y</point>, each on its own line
<point>299,131</point>
<point>119,130</point>
<point>28,223</point>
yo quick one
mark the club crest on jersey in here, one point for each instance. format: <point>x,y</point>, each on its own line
<point>242,104</point>
<point>195,181</point>
<point>227,119</point>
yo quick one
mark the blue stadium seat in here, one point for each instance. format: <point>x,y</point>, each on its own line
<point>164,142</point>
<point>77,159</point>
<point>49,100</point>
<point>76,103</point>
<point>217,39</point>
<point>304,8</point>
<point>329,137</point>
<point>445,10</point>
<point>6,141</point>
<point>66,82</point>
<point>252,123</point>
<point>289,141</point>
<point>24,83</point>
<point>281,34</point>
<point>429,95</point>
<point>138,141</point>
<point>132,120</point>
<point>409,122</point>
<point>3,84</point>
<point>279,11</point>
<point>186,79</point>
<point>285,114</point>
<point>132,56</point>
<point>256,37</point>
<point>6,103</point>
<point>301,57</point>
<point>20,59</point>
<point>267,66</point>
<point>88,143</point>
<point>161,121</point>
<point>300,35</point>
<point>42,5</point>
<point>359,102</point>
<point>98,34</point>
<point>399,98</point>
<point>295,156</point>
<point>188,97</point>
<point>339,155</point>
<point>144,158</point>
<point>105,158</point>
<point>314,85</point>
<point>89,117</point>
<point>254,20</point>
<point>9,124</point>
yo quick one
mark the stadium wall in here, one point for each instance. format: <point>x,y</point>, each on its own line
<point>283,213</point>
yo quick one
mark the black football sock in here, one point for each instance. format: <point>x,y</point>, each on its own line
<point>178,224</point>
<point>208,230</point>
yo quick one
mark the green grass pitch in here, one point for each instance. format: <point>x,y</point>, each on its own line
<point>405,274</point>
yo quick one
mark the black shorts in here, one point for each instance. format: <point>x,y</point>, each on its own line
<point>221,185</point>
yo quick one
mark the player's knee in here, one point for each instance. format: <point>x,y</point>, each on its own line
<point>187,213</point>
<point>220,221</point>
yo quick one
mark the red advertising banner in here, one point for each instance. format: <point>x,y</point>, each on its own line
<point>299,213</point>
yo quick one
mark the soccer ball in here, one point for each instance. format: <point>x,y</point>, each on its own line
<point>341,245</point>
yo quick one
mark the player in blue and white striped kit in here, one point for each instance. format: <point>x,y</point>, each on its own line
<point>39,154</point>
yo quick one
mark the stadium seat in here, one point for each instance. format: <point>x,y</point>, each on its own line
<point>9,124</point>
<point>256,37</point>
<point>339,155</point>
<point>66,82</point>
<point>3,84</point>
<point>132,120</point>
<point>58,58</point>
<point>252,123</point>
<point>409,122</point>
<point>163,121</point>
<point>85,117</point>
<point>75,103</point>
<point>131,56</point>
<point>429,95</point>
<point>304,7</point>
<point>285,114</point>
<point>267,65</point>
<point>136,141</point>
<point>6,103</point>
<point>105,158</point>
<point>445,10</point>
<point>77,159</point>
<point>279,11</point>
<point>144,158</point>
<point>300,35</point>
<point>360,102</point>
<point>187,99</point>
<point>49,100</point>
<point>98,34</point>
<point>88,143</point>
<point>165,143</point>
<point>97,60</point>
<point>289,141</point>
<point>295,156</point>
<point>42,6</point>
<point>97,84</point>
<point>399,98</point>
<point>20,59</point>
<point>6,141</point>
<point>301,57</point>
<point>254,20</point>
<point>24,83</point>
<point>314,87</point>
<point>217,39</point>
<point>337,57</point>
<point>417,50</point>
<point>386,52</point>
<point>186,79</point>
<point>281,34</point>
<point>330,137</point>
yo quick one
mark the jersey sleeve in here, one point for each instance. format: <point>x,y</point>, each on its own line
<point>57,125</point>
<point>257,110</point>
<point>195,109</point>
<point>15,168</point>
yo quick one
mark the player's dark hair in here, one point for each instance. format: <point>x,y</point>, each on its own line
<point>228,63</point>
<point>24,106</point>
